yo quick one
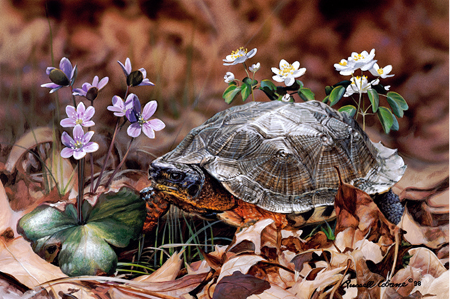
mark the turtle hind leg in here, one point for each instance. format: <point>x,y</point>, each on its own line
<point>389,204</point>
<point>156,206</point>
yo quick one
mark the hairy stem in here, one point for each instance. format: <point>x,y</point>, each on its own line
<point>120,164</point>
<point>80,190</point>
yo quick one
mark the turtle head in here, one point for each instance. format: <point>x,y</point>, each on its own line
<point>181,180</point>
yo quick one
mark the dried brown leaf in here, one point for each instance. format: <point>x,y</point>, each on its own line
<point>239,286</point>
<point>365,277</point>
<point>275,292</point>
<point>241,263</point>
<point>433,237</point>
<point>252,234</point>
<point>168,271</point>
<point>27,141</point>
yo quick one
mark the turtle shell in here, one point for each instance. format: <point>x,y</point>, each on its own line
<point>282,156</point>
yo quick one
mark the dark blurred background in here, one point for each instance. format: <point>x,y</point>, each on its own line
<point>181,44</point>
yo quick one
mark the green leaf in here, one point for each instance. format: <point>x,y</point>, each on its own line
<point>349,109</point>
<point>230,93</point>
<point>250,81</point>
<point>85,249</point>
<point>399,99</point>
<point>329,232</point>
<point>246,90</point>
<point>336,94</point>
<point>269,89</point>
<point>386,118</point>
<point>395,125</point>
<point>306,94</point>
<point>329,89</point>
<point>299,83</point>
<point>374,99</point>
<point>397,103</point>
<point>326,100</point>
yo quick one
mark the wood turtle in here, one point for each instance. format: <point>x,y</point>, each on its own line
<point>272,159</point>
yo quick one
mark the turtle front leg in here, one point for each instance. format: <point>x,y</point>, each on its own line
<point>156,206</point>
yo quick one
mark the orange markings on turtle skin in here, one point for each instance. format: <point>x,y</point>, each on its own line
<point>156,208</point>
<point>246,213</point>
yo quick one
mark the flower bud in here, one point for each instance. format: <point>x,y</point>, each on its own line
<point>92,93</point>
<point>135,78</point>
<point>58,77</point>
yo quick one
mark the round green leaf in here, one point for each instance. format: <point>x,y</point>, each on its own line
<point>86,249</point>
<point>398,99</point>
<point>395,125</point>
<point>230,93</point>
<point>306,94</point>
<point>386,118</point>
<point>374,99</point>
<point>336,94</point>
<point>269,89</point>
<point>349,109</point>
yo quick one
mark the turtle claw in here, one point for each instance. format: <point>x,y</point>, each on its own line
<point>147,193</point>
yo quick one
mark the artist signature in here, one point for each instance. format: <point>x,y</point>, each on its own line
<point>382,284</point>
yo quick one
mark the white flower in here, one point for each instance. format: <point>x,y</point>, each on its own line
<point>239,56</point>
<point>229,77</point>
<point>381,72</point>
<point>255,67</point>
<point>345,67</point>
<point>359,85</point>
<point>286,98</point>
<point>288,72</point>
<point>387,87</point>
<point>363,60</point>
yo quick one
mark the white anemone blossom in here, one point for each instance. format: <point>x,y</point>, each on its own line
<point>359,85</point>
<point>288,72</point>
<point>239,56</point>
<point>381,72</point>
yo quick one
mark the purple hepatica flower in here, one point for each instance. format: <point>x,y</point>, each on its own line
<point>120,107</point>
<point>135,78</point>
<point>64,76</point>
<point>90,91</point>
<point>80,116</point>
<point>141,121</point>
<point>79,145</point>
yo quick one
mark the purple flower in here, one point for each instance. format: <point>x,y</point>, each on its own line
<point>80,116</point>
<point>64,76</point>
<point>141,121</point>
<point>120,107</point>
<point>90,91</point>
<point>79,145</point>
<point>135,78</point>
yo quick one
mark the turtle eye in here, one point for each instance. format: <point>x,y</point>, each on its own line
<point>176,176</point>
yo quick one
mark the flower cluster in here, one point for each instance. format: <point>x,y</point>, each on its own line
<point>288,73</point>
<point>80,117</point>
<point>363,61</point>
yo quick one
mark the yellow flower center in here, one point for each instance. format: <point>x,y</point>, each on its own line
<point>343,62</point>
<point>357,57</point>
<point>287,69</point>
<point>238,53</point>
<point>78,144</point>
<point>380,71</point>
<point>79,121</point>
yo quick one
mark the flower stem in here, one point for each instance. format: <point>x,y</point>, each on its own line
<point>107,155</point>
<point>92,162</point>
<point>120,164</point>
<point>80,190</point>
<point>73,97</point>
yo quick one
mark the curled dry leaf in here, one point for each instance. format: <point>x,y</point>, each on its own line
<point>359,218</point>
<point>26,142</point>
<point>8,217</point>
<point>275,292</point>
<point>416,234</point>
<point>166,272</point>
<point>239,286</point>
<point>252,234</point>
<point>198,267</point>
<point>370,250</point>
<point>240,263</point>
<point>304,289</point>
